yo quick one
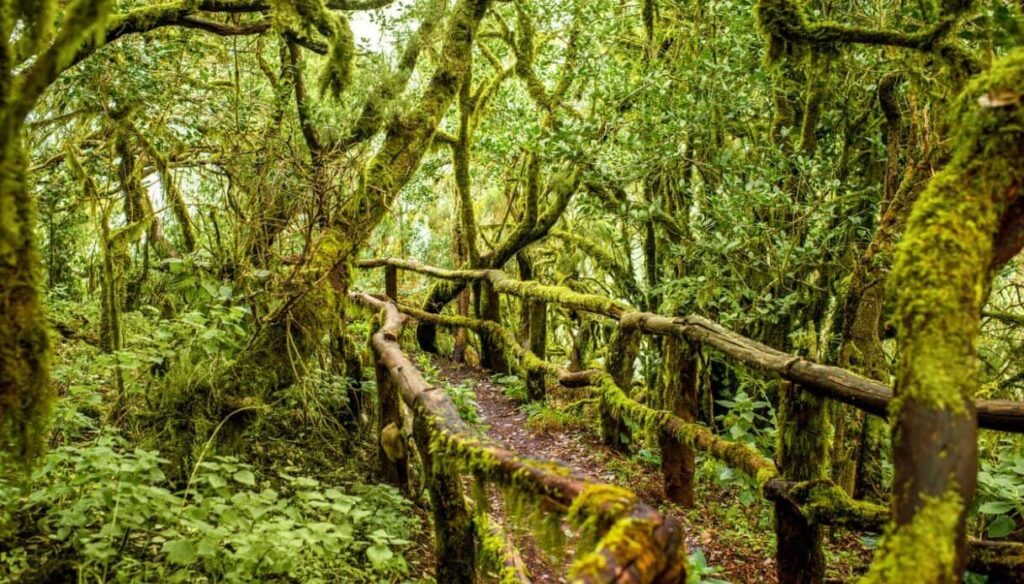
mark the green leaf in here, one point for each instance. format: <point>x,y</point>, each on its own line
<point>1001,527</point>
<point>379,554</point>
<point>179,551</point>
<point>246,477</point>
<point>995,508</point>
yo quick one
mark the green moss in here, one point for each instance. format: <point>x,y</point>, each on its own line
<point>630,541</point>
<point>494,554</point>
<point>826,503</point>
<point>337,75</point>
<point>172,193</point>
<point>921,551</point>
<point>803,435</point>
<point>38,17</point>
<point>596,509</point>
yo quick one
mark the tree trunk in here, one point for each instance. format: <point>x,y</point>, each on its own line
<point>492,356</point>
<point>964,227</point>
<point>619,361</point>
<point>25,392</point>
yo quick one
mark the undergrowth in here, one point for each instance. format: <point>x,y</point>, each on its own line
<point>109,504</point>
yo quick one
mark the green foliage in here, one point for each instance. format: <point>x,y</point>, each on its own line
<point>698,193</point>
<point>110,509</point>
<point>512,386</point>
<point>544,417</point>
<point>1000,500</point>
<point>698,571</point>
<point>464,397</point>
<point>748,420</point>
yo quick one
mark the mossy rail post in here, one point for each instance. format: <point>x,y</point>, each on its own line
<point>621,353</point>
<point>394,469</point>
<point>391,282</point>
<point>802,455</point>
<point>538,316</point>
<point>454,533</point>
<point>679,396</point>
<point>492,356</point>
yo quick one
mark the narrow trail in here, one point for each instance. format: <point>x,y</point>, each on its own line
<point>504,420</point>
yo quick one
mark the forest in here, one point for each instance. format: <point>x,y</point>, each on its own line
<point>511,291</point>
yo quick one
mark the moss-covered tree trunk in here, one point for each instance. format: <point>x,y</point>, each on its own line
<point>394,465</point>
<point>492,355</point>
<point>535,384</point>
<point>965,226</point>
<point>580,341</point>
<point>33,59</point>
<point>533,330</point>
<point>25,393</point>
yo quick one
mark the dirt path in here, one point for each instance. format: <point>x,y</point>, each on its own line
<point>737,540</point>
<point>505,421</point>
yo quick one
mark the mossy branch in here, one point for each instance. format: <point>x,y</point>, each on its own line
<point>173,194</point>
<point>786,21</point>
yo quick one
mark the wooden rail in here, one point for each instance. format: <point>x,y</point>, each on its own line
<point>805,499</point>
<point>825,380</point>
<point>450,447</point>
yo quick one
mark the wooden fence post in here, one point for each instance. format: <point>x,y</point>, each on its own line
<point>533,325</point>
<point>394,463</point>
<point>621,353</point>
<point>454,534</point>
<point>678,395</point>
<point>492,356</point>
<point>391,282</point>
<point>802,455</point>
<point>538,311</point>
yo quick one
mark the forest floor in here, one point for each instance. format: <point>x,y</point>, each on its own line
<point>736,540</point>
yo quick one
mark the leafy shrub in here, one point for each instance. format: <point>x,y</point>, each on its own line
<point>109,510</point>
<point>513,386</point>
<point>1000,497</point>
<point>464,397</point>
<point>699,572</point>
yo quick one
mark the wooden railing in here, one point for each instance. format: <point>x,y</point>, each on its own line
<point>634,543</point>
<point>805,499</point>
